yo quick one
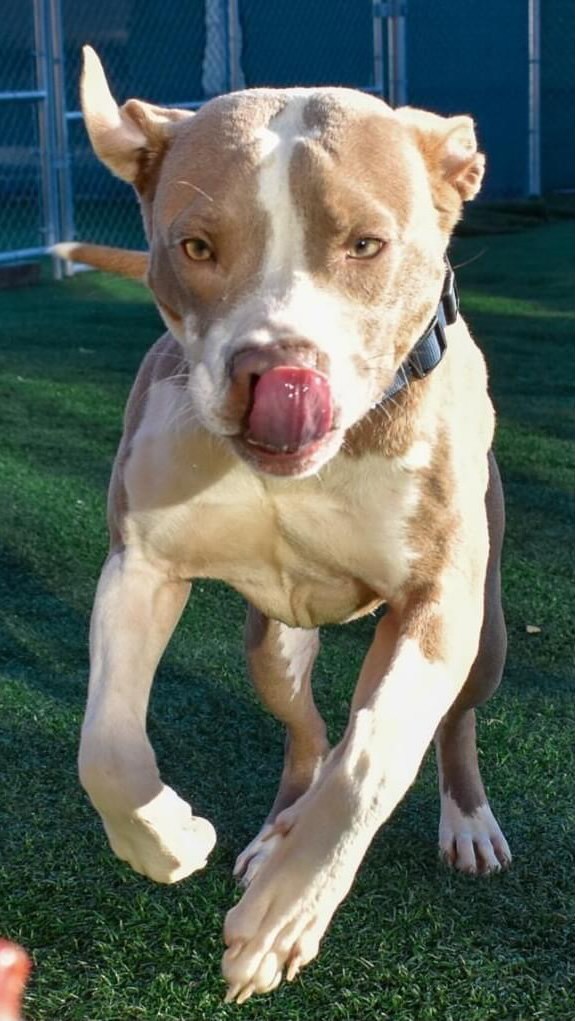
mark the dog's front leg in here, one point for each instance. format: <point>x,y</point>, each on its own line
<point>136,610</point>
<point>414,669</point>
<point>281,660</point>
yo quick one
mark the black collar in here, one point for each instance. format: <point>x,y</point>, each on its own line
<point>430,348</point>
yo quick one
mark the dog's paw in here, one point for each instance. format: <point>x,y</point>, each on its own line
<point>473,843</point>
<point>282,916</point>
<point>162,840</point>
<point>251,859</point>
<point>255,963</point>
<point>278,929</point>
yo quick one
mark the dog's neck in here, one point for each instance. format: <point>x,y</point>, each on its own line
<point>430,348</point>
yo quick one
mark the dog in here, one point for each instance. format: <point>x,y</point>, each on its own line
<point>314,429</point>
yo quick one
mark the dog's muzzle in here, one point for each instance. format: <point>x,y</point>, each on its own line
<point>291,408</point>
<point>288,401</point>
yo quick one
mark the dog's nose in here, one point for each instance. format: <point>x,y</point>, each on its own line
<point>282,394</point>
<point>256,360</point>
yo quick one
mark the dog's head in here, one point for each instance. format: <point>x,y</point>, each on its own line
<point>297,240</point>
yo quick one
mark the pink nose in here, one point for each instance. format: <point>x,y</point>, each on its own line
<point>255,361</point>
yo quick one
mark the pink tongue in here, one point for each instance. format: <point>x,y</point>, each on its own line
<point>291,408</point>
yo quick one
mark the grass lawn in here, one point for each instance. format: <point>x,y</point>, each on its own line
<point>412,942</point>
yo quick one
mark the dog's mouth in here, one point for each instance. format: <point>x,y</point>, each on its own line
<point>288,421</point>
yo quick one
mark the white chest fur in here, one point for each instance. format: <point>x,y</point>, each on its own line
<point>305,551</point>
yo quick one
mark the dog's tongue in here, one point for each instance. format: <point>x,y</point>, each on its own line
<point>291,408</point>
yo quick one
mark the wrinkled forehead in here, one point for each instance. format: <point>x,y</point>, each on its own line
<point>328,147</point>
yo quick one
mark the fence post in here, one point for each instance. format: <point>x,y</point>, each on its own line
<point>236,75</point>
<point>378,69</point>
<point>534,175</point>
<point>46,134</point>
<point>396,52</point>
<point>61,154</point>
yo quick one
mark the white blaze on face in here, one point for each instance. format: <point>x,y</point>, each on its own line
<point>284,253</point>
<point>295,303</point>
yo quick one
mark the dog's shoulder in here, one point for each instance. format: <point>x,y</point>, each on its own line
<point>164,361</point>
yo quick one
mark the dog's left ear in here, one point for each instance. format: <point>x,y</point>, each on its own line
<point>128,139</point>
<point>449,148</point>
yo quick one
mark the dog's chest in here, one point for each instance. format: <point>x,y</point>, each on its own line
<point>304,551</point>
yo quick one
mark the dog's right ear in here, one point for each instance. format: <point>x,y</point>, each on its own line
<point>128,139</point>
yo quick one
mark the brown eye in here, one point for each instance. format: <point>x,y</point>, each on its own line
<point>197,250</point>
<point>365,248</point>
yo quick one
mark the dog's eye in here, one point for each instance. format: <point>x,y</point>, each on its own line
<point>365,248</point>
<point>197,249</point>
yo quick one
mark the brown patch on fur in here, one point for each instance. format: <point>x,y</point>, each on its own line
<point>432,527</point>
<point>164,360</point>
<point>387,429</point>
<point>222,208</point>
<point>428,631</point>
<point>373,198</point>
<point>459,766</point>
<point>430,530</point>
<point>328,115</point>
<point>421,622</point>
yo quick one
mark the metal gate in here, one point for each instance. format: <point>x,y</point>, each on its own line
<point>175,52</point>
<point>35,195</point>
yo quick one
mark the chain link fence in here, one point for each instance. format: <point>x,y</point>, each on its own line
<point>472,57</point>
<point>467,57</point>
<point>25,202</point>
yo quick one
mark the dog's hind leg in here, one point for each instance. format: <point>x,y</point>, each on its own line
<point>136,609</point>
<point>281,660</point>
<point>469,836</point>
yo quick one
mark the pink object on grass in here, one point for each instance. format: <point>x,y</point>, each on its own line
<point>14,970</point>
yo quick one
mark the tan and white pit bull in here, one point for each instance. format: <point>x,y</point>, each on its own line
<point>297,244</point>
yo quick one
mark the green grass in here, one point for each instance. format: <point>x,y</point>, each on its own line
<point>507,217</point>
<point>412,942</point>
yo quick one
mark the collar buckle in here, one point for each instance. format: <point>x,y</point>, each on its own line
<point>449,302</point>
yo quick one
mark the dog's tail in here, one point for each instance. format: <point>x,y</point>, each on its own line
<point>122,261</point>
